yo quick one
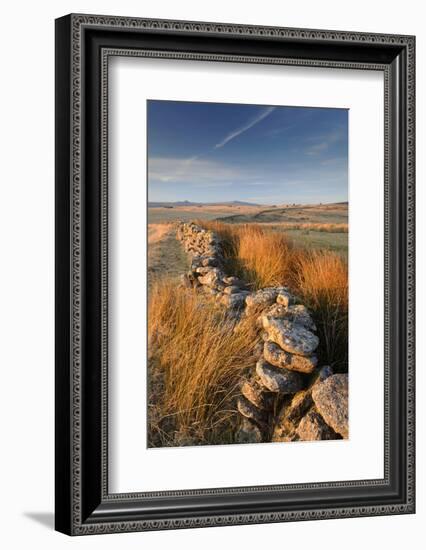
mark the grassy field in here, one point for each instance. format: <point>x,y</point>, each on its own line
<point>316,227</point>
<point>319,240</point>
<point>206,212</point>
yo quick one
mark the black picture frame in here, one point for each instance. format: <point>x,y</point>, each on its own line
<point>83,46</point>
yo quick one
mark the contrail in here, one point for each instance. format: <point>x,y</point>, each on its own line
<point>186,164</point>
<point>246,127</point>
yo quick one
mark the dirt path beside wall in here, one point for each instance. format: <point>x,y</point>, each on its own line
<point>166,258</point>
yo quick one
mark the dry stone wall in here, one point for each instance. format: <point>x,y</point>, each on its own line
<point>288,396</point>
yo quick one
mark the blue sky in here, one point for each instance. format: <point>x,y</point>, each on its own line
<point>214,152</point>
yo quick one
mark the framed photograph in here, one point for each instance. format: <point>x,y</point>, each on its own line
<point>234,274</point>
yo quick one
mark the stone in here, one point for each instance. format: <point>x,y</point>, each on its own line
<point>202,270</point>
<point>262,298</point>
<point>278,379</point>
<point>290,415</point>
<point>296,314</point>
<point>210,261</point>
<point>324,373</point>
<point>196,262</point>
<point>284,298</point>
<point>212,278</point>
<point>300,314</point>
<point>299,405</point>
<point>233,281</point>
<point>258,350</point>
<point>280,358</point>
<point>254,392</point>
<point>232,289</point>
<point>313,428</point>
<point>248,433</point>
<point>276,310</point>
<point>193,278</point>
<point>247,409</point>
<point>291,337</point>
<point>331,400</point>
<point>233,301</point>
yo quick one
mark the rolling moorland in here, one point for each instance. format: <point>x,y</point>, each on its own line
<point>196,363</point>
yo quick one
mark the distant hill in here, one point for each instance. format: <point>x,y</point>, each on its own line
<point>189,203</point>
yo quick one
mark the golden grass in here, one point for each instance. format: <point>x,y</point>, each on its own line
<point>264,257</point>
<point>201,357</point>
<point>321,280</point>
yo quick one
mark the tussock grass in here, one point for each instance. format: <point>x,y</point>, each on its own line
<point>260,256</point>
<point>201,355</point>
<point>321,280</point>
<point>265,257</point>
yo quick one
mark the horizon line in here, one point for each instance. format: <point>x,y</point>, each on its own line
<point>247,202</point>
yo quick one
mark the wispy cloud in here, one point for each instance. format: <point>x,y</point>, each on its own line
<point>324,142</point>
<point>252,122</point>
<point>202,172</point>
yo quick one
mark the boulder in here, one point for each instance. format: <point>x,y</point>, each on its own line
<point>280,358</point>
<point>290,415</point>
<point>300,314</point>
<point>299,405</point>
<point>291,337</point>
<point>235,281</point>
<point>331,400</point>
<point>210,261</point>
<point>254,392</point>
<point>258,350</point>
<point>324,373</point>
<point>196,262</point>
<point>275,310</point>
<point>278,379</point>
<point>296,314</point>
<point>264,335</point>
<point>285,298</point>
<point>212,278</point>
<point>262,298</point>
<point>233,301</point>
<point>248,433</point>
<point>202,270</point>
<point>233,289</point>
<point>247,409</point>
<point>313,428</point>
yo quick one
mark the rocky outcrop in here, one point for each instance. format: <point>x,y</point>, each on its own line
<point>287,396</point>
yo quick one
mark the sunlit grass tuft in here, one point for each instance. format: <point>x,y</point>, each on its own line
<point>201,357</point>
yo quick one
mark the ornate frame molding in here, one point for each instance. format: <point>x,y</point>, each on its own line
<point>73,516</point>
